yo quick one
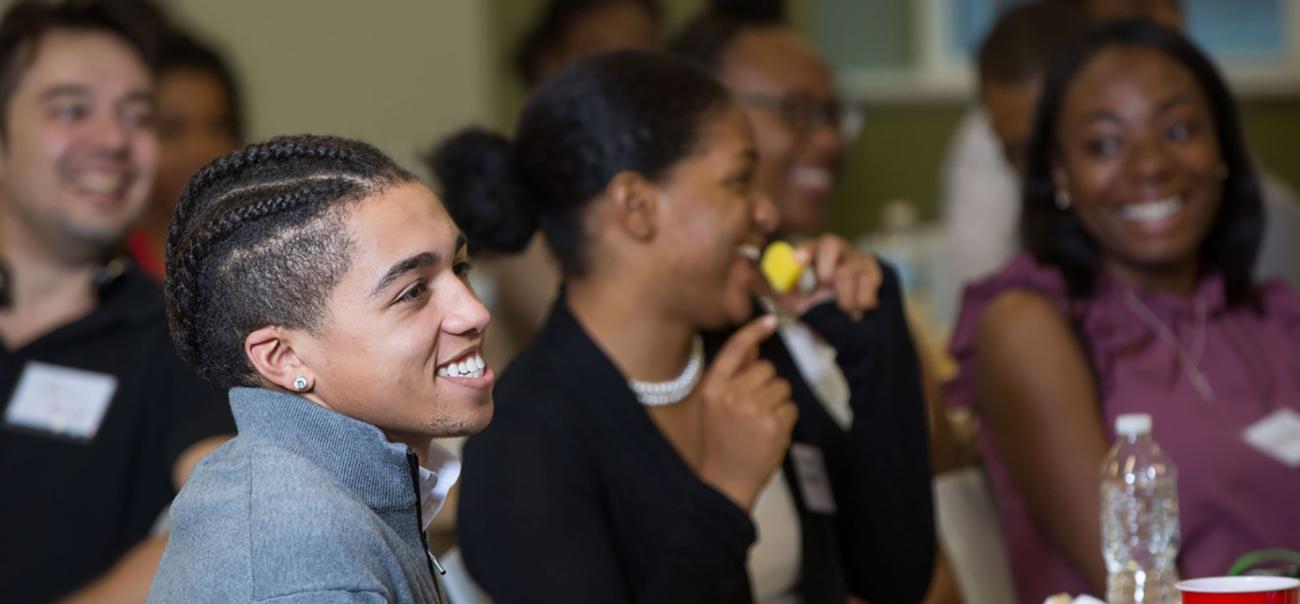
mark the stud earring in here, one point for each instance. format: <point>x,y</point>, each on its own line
<point>1062,200</point>
<point>300,383</point>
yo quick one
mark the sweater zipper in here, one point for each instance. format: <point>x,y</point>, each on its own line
<point>413,464</point>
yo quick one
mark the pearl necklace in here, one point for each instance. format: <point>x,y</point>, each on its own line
<point>654,394</point>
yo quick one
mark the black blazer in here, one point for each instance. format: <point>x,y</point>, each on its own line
<point>573,495</point>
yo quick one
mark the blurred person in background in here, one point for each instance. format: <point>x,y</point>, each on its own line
<point>1142,217</point>
<point>981,175</point>
<point>786,90</point>
<point>980,187</point>
<point>519,287</point>
<point>801,129</point>
<point>523,285</point>
<point>645,449</point>
<point>103,422</point>
<point>200,118</point>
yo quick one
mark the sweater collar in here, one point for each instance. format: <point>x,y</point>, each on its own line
<point>357,454</point>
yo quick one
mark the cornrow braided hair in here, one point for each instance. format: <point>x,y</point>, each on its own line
<point>259,238</point>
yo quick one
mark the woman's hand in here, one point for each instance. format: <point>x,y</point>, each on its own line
<point>748,416</point>
<point>844,274</point>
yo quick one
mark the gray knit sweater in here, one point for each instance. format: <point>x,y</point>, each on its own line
<point>305,505</point>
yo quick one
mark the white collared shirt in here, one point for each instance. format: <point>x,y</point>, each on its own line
<point>815,359</point>
<point>436,481</point>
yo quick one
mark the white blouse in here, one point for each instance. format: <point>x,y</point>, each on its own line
<point>774,559</point>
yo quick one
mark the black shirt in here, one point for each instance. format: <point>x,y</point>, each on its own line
<point>70,508</point>
<point>572,494</point>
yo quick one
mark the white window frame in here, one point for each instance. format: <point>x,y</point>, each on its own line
<point>943,75</point>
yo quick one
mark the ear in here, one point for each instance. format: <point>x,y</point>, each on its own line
<point>270,351</point>
<point>635,203</point>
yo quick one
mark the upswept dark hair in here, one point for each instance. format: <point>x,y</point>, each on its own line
<point>622,110</point>
<point>258,238</point>
<point>181,50</point>
<point>552,25</point>
<point>705,39</point>
<point>1057,238</point>
<point>28,21</point>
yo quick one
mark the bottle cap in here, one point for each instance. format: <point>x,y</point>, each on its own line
<point>1133,424</point>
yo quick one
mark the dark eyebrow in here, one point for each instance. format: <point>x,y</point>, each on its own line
<point>139,96</point>
<point>749,154</point>
<point>461,242</point>
<point>420,260</point>
<point>1101,115</point>
<point>77,90</point>
<point>1173,101</point>
<point>64,90</point>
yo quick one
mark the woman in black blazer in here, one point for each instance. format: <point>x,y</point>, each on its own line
<point>634,437</point>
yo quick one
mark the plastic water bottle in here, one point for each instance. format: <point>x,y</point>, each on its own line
<point>1139,517</point>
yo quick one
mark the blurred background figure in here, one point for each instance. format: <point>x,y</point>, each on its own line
<point>1142,216</point>
<point>564,30</point>
<point>786,89</point>
<point>200,118</point>
<point>981,190</point>
<point>980,195</point>
<point>102,423</point>
<point>519,288</point>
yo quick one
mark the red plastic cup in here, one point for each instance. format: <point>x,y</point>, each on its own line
<point>1240,590</point>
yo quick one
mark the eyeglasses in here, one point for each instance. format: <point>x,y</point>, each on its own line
<point>804,112</point>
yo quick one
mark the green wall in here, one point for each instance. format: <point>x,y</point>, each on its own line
<point>1273,130</point>
<point>897,156</point>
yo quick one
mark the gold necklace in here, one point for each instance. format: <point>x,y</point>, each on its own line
<point>1191,363</point>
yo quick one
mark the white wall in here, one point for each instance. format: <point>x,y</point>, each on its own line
<point>396,73</point>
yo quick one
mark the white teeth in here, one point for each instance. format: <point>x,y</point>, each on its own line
<point>750,252</point>
<point>100,183</point>
<point>819,178</point>
<point>472,366</point>
<point>1152,211</point>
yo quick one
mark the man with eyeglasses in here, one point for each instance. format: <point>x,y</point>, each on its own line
<point>786,89</point>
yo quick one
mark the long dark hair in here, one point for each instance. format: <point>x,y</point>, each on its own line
<point>625,110</point>
<point>1058,239</point>
<point>258,239</point>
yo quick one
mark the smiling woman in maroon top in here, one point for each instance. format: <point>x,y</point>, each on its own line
<point>1142,217</point>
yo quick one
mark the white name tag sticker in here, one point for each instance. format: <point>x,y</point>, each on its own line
<point>1278,436</point>
<point>60,400</point>
<point>814,482</point>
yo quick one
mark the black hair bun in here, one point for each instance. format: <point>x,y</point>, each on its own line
<point>484,192</point>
